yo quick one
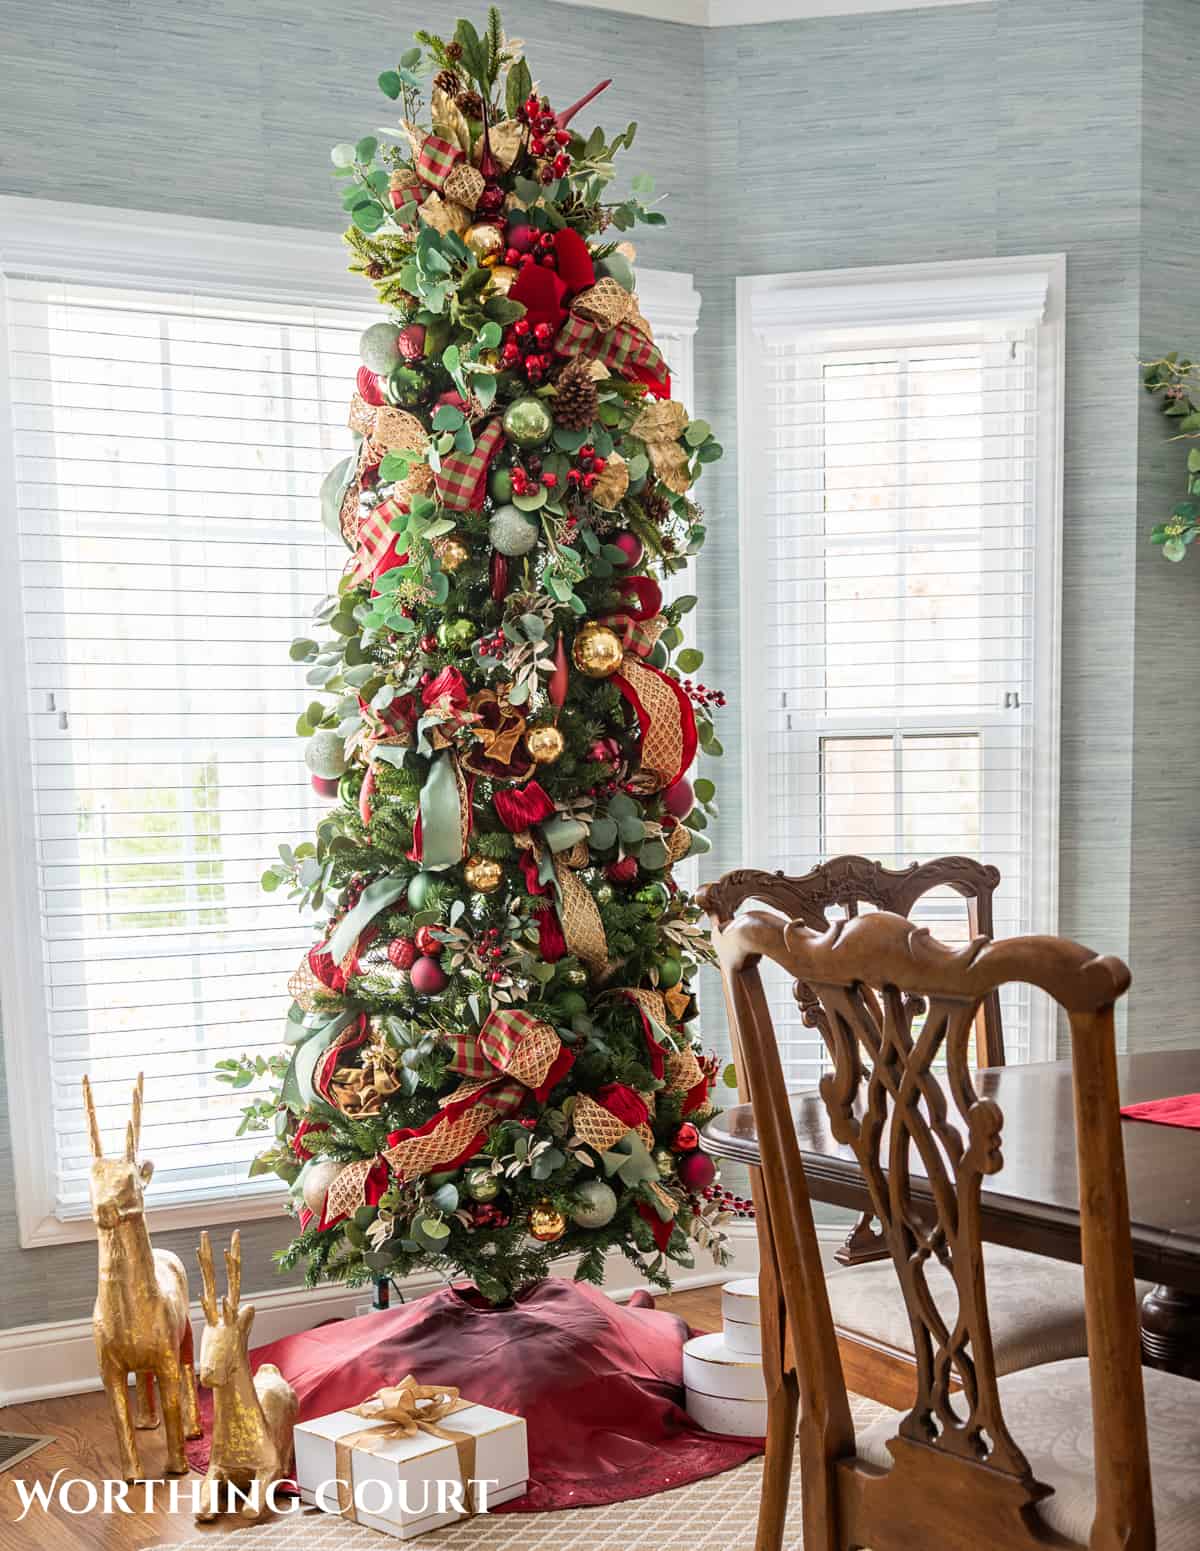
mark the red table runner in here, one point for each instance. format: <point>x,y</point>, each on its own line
<point>1182,1110</point>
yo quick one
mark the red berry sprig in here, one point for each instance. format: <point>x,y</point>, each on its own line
<point>492,645</point>
<point>546,139</point>
<point>702,695</point>
<point>586,469</point>
<point>527,348</point>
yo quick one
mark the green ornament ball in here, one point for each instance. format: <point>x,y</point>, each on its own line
<point>654,896</point>
<point>378,347</point>
<point>670,973</point>
<point>511,532</point>
<point>418,890</point>
<point>595,1204</point>
<point>325,754</point>
<point>500,484</point>
<point>664,1161</point>
<point>527,421</point>
<point>408,385</point>
<point>576,975</point>
<point>481,1184</point>
<point>455,632</point>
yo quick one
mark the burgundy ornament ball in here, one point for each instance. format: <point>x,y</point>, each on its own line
<point>411,341</point>
<point>402,952</point>
<point>679,800</point>
<point>522,238</point>
<point>427,943</point>
<point>630,546</point>
<point>428,978</point>
<point>325,786</point>
<point>695,1169</point>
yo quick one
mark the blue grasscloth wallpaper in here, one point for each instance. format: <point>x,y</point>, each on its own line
<point>954,132</point>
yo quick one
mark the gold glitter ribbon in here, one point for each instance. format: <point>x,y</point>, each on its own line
<point>577,910</point>
<point>662,735</point>
<point>402,1411</point>
<point>660,426</point>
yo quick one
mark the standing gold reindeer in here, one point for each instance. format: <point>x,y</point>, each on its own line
<point>141,1321</point>
<point>253,1417</point>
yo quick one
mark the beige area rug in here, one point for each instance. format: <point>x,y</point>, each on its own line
<point>718,1514</point>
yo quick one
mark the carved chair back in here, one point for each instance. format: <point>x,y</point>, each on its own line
<point>850,882</point>
<point>895,1004</point>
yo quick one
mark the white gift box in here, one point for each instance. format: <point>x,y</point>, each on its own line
<point>406,1486</point>
<point>740,1316</point>
<point>710,1367</point>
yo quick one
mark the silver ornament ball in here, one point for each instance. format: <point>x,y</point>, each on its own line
<point>511,532</point>
<point>595,1204</point>
<point>378,347</point>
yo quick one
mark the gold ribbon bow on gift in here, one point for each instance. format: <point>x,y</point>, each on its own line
<point>402,1411</point>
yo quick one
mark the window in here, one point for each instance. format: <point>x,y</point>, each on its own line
<point>177,391</point>
<point>900,531</point>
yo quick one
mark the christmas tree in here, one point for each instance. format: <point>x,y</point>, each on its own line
<point>488,1056</point>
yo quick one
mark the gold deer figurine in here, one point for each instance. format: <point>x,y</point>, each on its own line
<point>141,1321</point>
<point>253,1416</point>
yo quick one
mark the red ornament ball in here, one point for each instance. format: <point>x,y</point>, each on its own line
<point>679,800</point>
<point>622,871</point>
<point>604,751</point>
<point>630,546</point>
<point>402,951</point>
<point>522,238</point>
<point>410,341</point>
<point>427,943</point>
<point>686,1139</point>
<point>428,978</point>
<point>368,386</point>
<point>428,644</point>
<point>696,1170</point>
<point>325,787</point>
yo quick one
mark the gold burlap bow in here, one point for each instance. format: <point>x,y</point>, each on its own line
<point>660,425</point>
<point>359,1091</point>
<point>402,1411</point>
<point>577,910</point>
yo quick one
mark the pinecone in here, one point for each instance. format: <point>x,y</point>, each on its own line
<point>454,50</point>
<point>656,507</point>
<point>447,81</point>
<point>575,402</point>
<point>470,103</point>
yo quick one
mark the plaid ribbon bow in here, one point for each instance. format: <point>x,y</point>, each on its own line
<point>462,479</point>
<point>437,160</point>
<point>623,349</point>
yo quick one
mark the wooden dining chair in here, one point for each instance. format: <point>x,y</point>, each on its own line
<point>1063,1455</point>
<point>1039,1302</point>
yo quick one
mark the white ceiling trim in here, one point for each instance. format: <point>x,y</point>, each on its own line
<point>737,13</point>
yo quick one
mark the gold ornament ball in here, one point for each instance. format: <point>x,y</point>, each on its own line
<point>481,1184</point>
<point>504,277</point>
<point>545,744</point>
<point>597,651</point>
<point>483,874</point>
<point>451,551</point>
<point>664,1161</point>
<point>483,239</point>
<point>546,1223</point>
<point>576,976</point>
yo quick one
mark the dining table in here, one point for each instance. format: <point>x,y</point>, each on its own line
<point>1032,1203</point>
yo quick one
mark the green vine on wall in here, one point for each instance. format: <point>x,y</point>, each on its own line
<point>1175,381</point>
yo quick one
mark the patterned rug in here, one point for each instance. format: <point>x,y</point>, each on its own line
<point>718,1514</point>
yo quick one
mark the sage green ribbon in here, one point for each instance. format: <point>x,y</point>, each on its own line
<point>630,1161</point>
<point>375,897</point>
<point>558,834</point>
<point>441,815</point>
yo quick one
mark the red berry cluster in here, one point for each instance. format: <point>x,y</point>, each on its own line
<point>486,1214</point>
<point>586,469</point>
<point>526,480</point>
<point>527,246</point>
<point>702,695</point>
<point>528,349</point>
<point>546,138</point>
<point>727,1201</point>
<point>492,947</point>
<point>494,645</point>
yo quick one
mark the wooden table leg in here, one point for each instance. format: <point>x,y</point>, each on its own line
<point>1171,1331</point>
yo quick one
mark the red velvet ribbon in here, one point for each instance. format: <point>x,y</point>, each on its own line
<point>520,808</point>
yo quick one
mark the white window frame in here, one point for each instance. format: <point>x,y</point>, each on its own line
<point>86,243</point>
<point>932,300</point>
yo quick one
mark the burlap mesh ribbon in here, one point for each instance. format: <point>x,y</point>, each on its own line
<point>664,717</point>
<point>402,1411</point>
<point>577,910</point>
<point>600,1128</point>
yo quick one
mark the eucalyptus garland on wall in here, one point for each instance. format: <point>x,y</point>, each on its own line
<point>1175,380</point>
<point>489,1060</point>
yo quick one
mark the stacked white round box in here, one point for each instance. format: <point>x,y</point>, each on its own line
<point>722,1372</point>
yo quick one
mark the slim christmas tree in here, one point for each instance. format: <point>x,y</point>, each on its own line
<point>489,1058</point>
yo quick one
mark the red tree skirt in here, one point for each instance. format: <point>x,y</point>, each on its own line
<point>599,1384</point>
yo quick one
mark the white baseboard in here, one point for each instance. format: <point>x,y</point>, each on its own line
<point>42,1362</point>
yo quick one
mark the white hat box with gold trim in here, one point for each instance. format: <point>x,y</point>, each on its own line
<point>739,1316</point>
<point>722,1373</point>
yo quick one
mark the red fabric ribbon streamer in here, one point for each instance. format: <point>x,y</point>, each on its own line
<point>523,807</point>
<point>552,945</point>
<point>661,1230</point>
<point>620,1100</point>
<point>541,292</point>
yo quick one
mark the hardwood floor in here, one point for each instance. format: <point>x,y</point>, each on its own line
<point>85,1447</point>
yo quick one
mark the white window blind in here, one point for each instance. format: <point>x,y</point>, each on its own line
<point>900,710</point>
<point>168,453</point>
